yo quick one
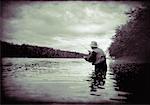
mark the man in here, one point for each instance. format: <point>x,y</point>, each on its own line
<point>97,58</point>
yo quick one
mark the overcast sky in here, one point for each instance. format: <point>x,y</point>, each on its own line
<point>64,25</point>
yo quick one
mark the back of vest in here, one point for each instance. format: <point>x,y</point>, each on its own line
<point>100,55</point>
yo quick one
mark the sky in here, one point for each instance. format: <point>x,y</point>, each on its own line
<point>69,25</point>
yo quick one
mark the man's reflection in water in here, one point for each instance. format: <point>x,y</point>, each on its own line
<point>97,81</point>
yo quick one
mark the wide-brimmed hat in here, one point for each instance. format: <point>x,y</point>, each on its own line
<point>93,44</point>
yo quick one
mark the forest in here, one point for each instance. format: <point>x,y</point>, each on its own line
<point>132,40</point>
<point>24,50</point>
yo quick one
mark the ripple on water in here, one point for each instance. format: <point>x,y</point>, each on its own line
<point>60,80</point>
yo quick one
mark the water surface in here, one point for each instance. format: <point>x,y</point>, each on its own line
<point>58,80</point>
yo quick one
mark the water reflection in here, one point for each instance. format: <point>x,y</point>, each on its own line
<point>97,80</point>
<point>134,79</point>
<point>130,82</point>
<point>46,81</point>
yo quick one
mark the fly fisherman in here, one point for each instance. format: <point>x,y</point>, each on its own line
<point>97,58</point>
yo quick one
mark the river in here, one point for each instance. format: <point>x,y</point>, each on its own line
<point>57,80</point>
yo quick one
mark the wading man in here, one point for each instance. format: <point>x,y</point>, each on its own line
<point>98,58</point>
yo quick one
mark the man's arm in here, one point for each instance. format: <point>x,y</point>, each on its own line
<point>91,57</point>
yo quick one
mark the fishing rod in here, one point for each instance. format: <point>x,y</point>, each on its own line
<point>85,47</point>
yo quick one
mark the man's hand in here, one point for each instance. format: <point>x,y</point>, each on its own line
<point>84,57</point>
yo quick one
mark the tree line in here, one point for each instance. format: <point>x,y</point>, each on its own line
<point>24,50</point>
<point>133,38</point>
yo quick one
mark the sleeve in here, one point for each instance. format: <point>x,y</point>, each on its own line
<point>91,57</point>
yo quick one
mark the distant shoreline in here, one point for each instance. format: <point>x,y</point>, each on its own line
<point>30,51</point>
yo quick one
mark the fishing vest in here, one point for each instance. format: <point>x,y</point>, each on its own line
<point>100,56</point>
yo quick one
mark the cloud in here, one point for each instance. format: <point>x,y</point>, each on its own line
<point>63,25</point>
